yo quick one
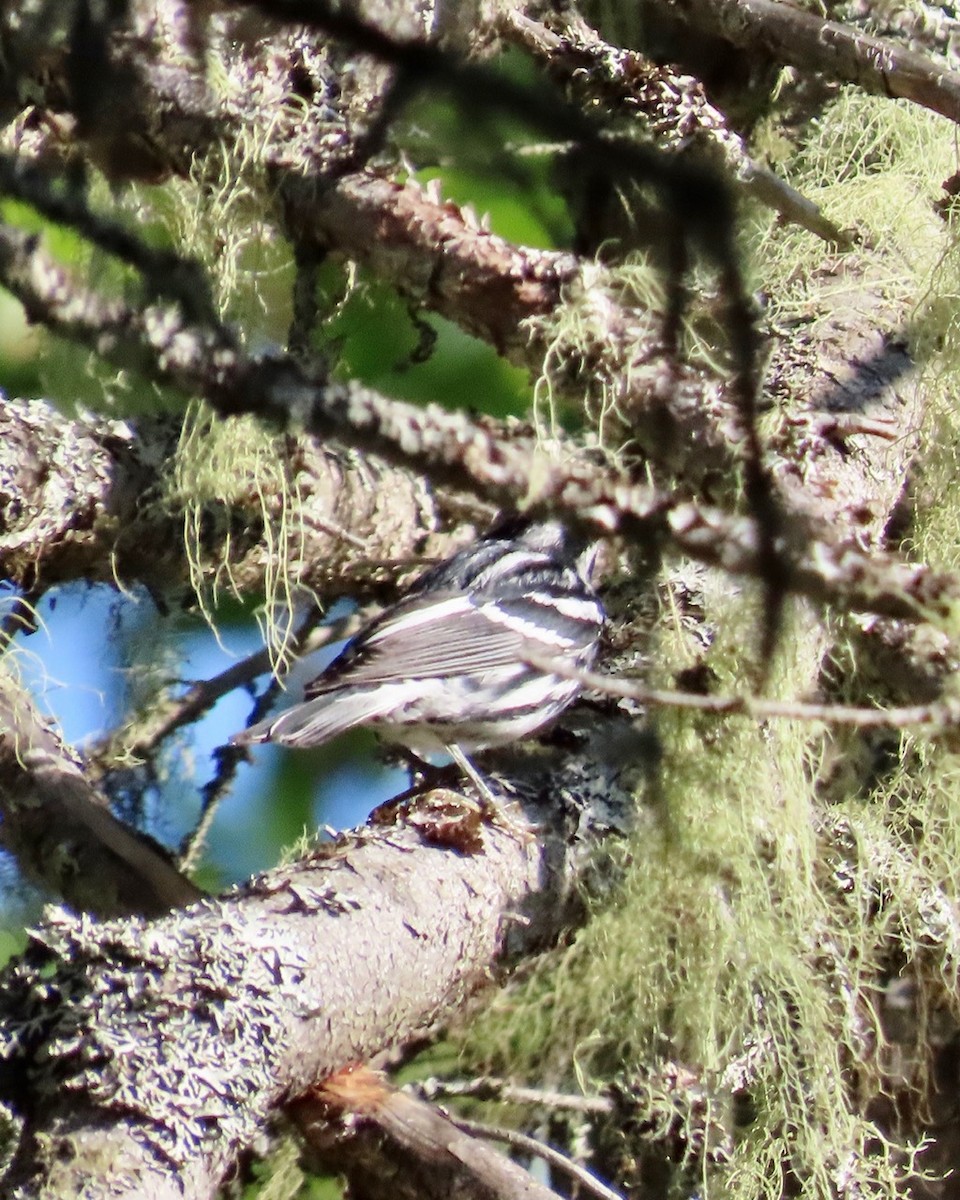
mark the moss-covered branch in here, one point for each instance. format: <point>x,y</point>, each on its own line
<point>246,1001</point>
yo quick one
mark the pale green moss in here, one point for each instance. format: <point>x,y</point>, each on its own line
<point>216,215</point>
<point>731,950</point>
<point>874,166</point>
<point>936,535</point>
<point>756,927</point>
<point>226,465</point>
<point>577,336</point>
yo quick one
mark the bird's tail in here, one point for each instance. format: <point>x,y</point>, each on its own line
<point>320,720</point>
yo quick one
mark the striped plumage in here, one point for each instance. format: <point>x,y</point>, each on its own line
<point>447,666</point>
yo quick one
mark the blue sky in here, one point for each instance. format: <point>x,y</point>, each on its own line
<point>74,665</point>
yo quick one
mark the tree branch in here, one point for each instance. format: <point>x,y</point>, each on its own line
<point>92,498</point>
<point>62,831</point>
<point>673,108</point>
<point>368,1124</point>
<point>452,447</point>
<point>247,1000</point>
<point>840,51</point>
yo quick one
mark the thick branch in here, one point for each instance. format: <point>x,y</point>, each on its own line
<point>79,500</point>
<point>61,830</point>
<point>430,251</point>
<point>840,51</point>
<point>245,1001</point>
<point>452,447</point>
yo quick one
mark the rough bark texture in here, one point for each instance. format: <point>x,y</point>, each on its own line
<point>146,1057</point>
<point>93,499</point>
<point>182,1035</point>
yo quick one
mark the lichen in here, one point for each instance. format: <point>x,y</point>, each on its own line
<point>226,466</point>
<point>758,929</point>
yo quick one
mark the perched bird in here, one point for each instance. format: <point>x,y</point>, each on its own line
<point>447,667</point>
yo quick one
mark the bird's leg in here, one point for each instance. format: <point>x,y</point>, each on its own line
<point>467,767</point>
<point>492,804</point>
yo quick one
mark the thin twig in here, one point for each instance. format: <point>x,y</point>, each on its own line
<point>942,714</point>
<point>201,696</point>
<point>530,1145</point>
<point>487,1087</point>
<point>229,757</point>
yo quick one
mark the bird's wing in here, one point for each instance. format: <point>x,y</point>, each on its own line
<point>477,613</point>
<point>416,640</point>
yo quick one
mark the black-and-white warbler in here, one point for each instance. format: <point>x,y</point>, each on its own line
<point>448,667</point>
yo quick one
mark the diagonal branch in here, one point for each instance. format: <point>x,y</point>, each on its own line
<point>62,831</point>
<point>841,52</point>
<point>455,448</point>
<point>245,1001</point>
<point>674,108</point>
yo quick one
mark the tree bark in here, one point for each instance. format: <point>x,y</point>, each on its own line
<point>144,1057</point>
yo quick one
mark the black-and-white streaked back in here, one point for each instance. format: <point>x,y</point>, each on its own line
<point>448,664</point>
